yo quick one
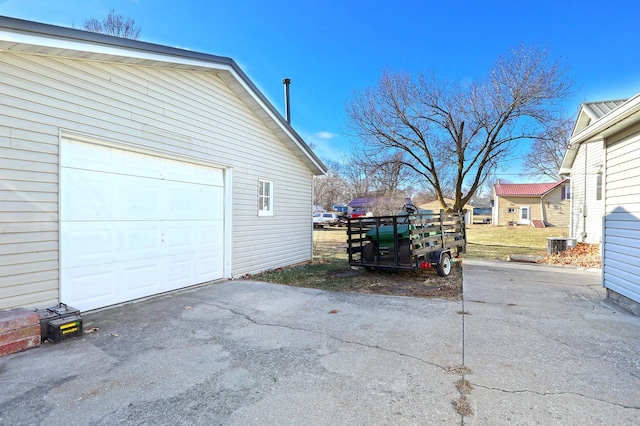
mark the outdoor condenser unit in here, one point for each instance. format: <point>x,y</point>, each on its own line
<point>558,244</point>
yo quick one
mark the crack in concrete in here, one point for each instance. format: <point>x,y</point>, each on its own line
<point>631,407</point>
<point>312,299</point>
<point>464,315</point>
<point>594,288</point>
<point>339,339</point>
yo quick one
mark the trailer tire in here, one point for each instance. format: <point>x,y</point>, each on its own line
<point>404,252</point>
<point>444,266</point>
<point>369,252</point>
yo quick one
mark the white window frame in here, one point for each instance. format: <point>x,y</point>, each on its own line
<point>265,202</point>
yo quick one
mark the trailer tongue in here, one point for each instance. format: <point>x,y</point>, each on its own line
<point>409,241</point>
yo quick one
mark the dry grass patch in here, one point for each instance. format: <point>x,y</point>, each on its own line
<point>460,369</point>
<point>464,387</point>
<point>463,406</point>
<point>330,270</point>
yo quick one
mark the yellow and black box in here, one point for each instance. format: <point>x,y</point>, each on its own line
<point>60,311</point>
<point>64,328</point>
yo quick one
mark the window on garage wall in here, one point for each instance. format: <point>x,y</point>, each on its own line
<point>265,198</point>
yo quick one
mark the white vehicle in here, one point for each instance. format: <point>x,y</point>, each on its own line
<point>320,220</point>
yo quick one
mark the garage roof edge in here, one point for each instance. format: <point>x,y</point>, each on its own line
<point>20,26</point>
<point>603,127</point>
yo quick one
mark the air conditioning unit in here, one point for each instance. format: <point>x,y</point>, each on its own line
<point>559,244</point>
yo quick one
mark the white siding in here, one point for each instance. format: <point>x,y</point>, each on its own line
<point>28,213</point>
<point>584,175</point>
<point>184,113</point>
<point>621,260</point>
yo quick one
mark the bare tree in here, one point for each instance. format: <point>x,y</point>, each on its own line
<point>422,197</point>
<point>328,190</point>
<point>357,173</point>
<point>391,175</point>
<point>331,188</point>
<point>383,174</point>
<point>547,150</point>
<point>455,135</point>
<point>115,25</point>
<point>486,190</point>
<point>388,203</point>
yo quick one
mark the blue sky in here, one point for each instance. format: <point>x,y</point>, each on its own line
<point>331,48</point>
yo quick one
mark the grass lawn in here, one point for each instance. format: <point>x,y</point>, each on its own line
<point>330,270</point>
<point>498,242</point>
<point>483,241</point>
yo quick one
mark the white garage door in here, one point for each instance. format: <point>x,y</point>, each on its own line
<point>134,225</point>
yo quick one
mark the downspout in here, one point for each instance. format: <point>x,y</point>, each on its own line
<point>542,209</point>
<point>584,195</point>
<point>313,203</point>
<point>603,257</point>
<point>572,206</point>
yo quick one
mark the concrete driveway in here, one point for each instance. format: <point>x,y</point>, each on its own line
<point>537,344</point>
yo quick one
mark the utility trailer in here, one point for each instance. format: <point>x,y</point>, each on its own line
<point>409,241</point>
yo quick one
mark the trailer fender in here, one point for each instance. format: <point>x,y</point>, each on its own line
<point>436,256</point>
<point>441,260</point>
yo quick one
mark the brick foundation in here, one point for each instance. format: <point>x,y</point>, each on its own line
<point>19,330</point>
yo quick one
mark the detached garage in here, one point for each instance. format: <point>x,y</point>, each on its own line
<point>129,169</point>
<point>620,130</point>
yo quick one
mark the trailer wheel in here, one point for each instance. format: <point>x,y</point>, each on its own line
<point>404,252</point>
<point>444,266</point>
<point>369,252</point>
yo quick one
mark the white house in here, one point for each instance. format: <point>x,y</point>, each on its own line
<point>583,163</point>
<point>128,169</point>
<point>617,166</point>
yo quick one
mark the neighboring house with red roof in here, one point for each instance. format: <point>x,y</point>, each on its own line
<point>583,163</point>
<point>535,204</point>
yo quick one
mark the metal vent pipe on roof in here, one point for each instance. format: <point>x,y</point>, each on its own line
<point>287,108</point>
